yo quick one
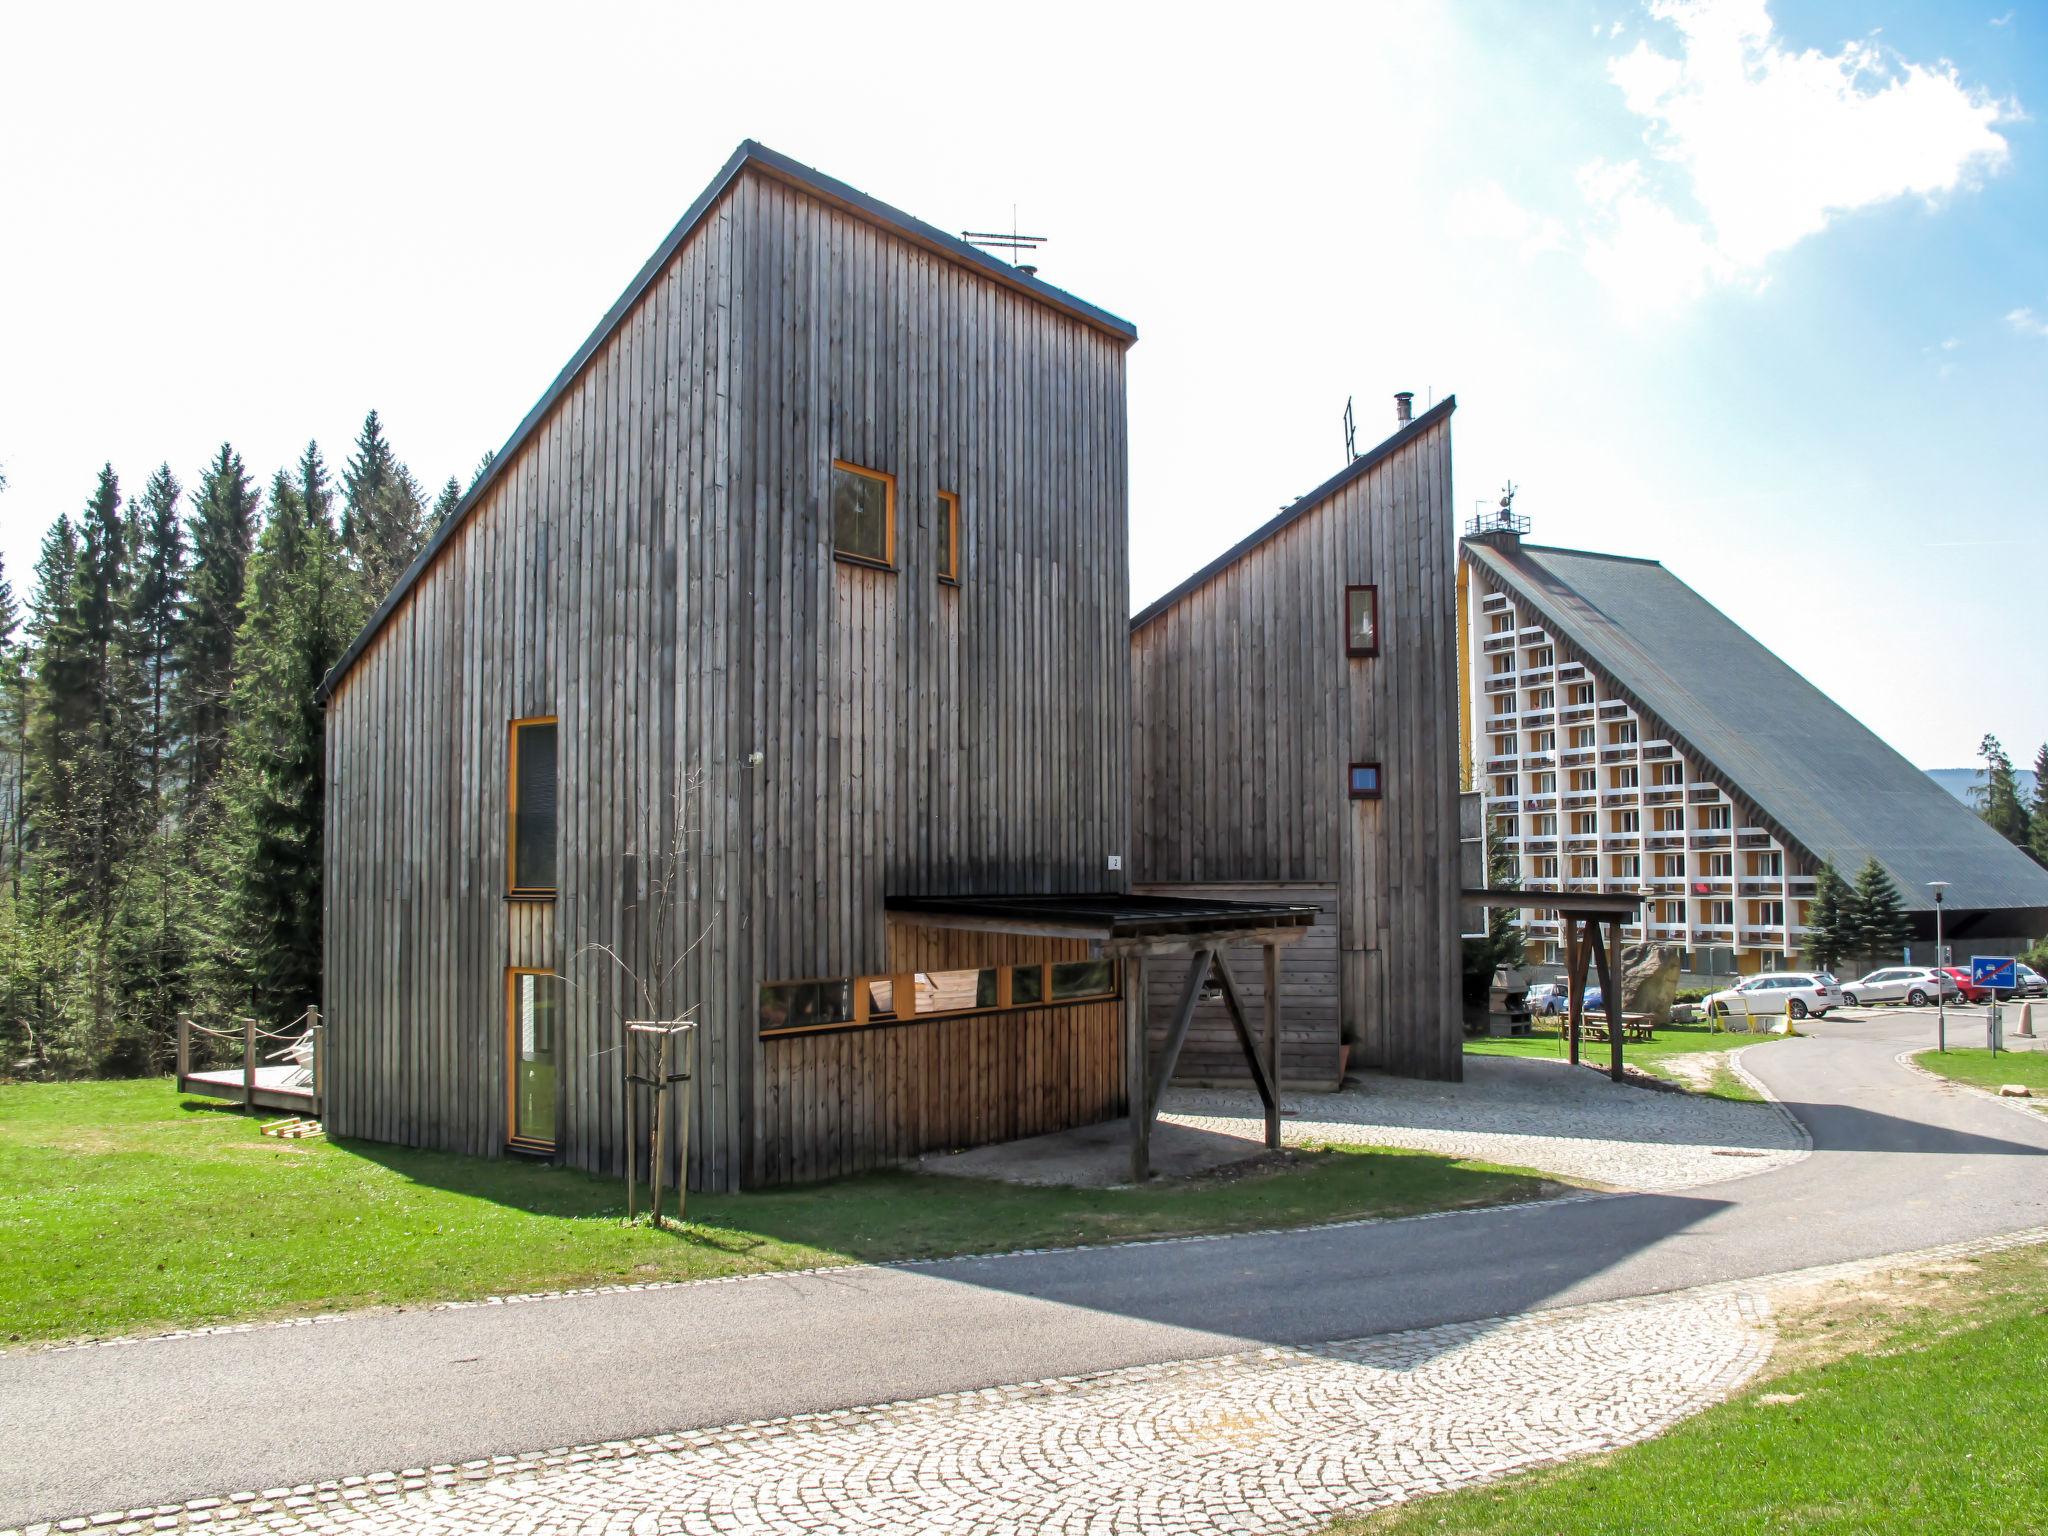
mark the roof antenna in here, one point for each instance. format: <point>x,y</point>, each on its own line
<point>1018,245</point>
<point>1350,432</point>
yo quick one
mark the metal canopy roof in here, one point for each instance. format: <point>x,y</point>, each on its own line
<point>1105,916</point>
<point>1818,776</point>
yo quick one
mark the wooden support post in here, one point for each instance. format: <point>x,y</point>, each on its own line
<point>319,1032</point>
<point>1610,1001</point>
<point>1235,1003</point>
<point>658,1149</point>
<point>184,1051</point>
<point>683,1106</point>
<point>628,1088</point>
<point>1135,1074</point>
<point>1273,1045</point>
<point>1575,983</point>
<point>1199,965</point>
<point>248,1063</point>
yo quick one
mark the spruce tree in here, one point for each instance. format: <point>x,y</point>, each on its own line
<point>383,514</point>
<point>156,982</point>
<point>1998,797</point>
<point>223,528</point>
<point>1831,937</point>
<point>2037,812</point>
<point>449,499</point>
<point>1878,914</point>
<point>303,607</point>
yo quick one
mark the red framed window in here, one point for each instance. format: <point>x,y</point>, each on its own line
<point>1365,781</point>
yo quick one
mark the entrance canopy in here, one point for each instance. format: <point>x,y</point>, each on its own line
<point>1136,928</point>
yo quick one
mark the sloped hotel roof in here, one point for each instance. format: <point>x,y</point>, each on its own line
<point>1824,780</point>
<point>749,156</point>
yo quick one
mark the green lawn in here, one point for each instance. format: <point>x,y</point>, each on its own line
<point>1977,1066</point>
<point>124,1207</point>
<point>1653,1056</point>
<point>1911,1403</point>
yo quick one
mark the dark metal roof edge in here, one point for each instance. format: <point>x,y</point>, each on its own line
<point>749,153</point>
<point>1361,465</point>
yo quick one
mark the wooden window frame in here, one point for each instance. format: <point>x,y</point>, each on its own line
<point>904,983</point>
<point>949,509</point>
<point>1379,779</point>
<point>514,891</point>
<point>1374,648</point>
<point>513,1139</point>
<point>849,557</point>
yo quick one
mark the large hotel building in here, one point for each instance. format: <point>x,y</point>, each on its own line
<point>1625,735</point>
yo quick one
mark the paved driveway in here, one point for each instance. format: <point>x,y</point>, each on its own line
<point>1899,1163</point>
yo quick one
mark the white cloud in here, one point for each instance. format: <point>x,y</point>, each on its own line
<point>1753,147</point>
<point>2028,323</point>
<point>1487,211</point>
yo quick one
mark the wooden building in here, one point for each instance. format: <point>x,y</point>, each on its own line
<point>1296,707</point>
<point>804,587</point>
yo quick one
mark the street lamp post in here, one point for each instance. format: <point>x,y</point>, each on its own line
<point>1940,971</point>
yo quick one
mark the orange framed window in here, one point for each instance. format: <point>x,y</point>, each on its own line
<point>949,538</point>
<point>533,1020</point>
<point>534,834</point>
<point>863,515</point>
<point>1362,621</point>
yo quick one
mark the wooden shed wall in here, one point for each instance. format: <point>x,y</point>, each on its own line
<point>1310,1026</point>
<point>657,573</point>
<point>1248,713</point>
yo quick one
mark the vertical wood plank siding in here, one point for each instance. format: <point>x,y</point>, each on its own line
<point>1249,712</point>
<point>656,572</point>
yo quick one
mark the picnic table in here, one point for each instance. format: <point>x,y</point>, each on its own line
<point>1634,1026</point>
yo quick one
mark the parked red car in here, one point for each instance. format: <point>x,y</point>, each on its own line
<point>1972,993</point>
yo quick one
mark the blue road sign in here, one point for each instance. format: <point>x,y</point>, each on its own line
<point>1997,971</point>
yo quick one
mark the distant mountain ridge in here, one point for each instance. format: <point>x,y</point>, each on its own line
<point>1960,781</point>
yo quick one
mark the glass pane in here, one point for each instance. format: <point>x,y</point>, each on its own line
<point>1083,978</point>
<point>860,515</point>
<point>536,1007</point>
<point>1361,621</point>
<point>805,1004</point>
<point>1027,984</point>
<point>949,557</point>
<point>533,834</point>
<point>955,991</point>
<point>881,997</point>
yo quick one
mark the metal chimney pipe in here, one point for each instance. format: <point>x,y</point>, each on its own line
<point>1404,407</point>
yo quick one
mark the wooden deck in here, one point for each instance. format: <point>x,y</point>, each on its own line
<point>275,1088</point>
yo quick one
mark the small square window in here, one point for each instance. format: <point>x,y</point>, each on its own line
<point>949,538</point>
<point>863,514</point>
<point>1365,781</point>
<point>1362,621</point>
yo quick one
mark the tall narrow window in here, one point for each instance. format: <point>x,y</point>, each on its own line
<point>863,514</point>
<point>533,808</point>
<point>1365,782</point>
<point>949,538</point>
<point>1362,621</point>
<point>532,1027</point>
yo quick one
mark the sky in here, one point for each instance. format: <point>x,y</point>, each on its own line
<point>1760,291</point>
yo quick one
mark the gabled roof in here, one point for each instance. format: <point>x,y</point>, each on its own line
<point>1362,465</point>
<point>1819,777</point>
<point>750,156</point>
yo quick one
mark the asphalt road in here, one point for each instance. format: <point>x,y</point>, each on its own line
<point>1899,1163</point>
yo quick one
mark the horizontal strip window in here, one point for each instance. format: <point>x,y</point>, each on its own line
<point>857,1002</point>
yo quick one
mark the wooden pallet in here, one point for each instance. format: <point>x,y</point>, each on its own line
<point>294,1128</point>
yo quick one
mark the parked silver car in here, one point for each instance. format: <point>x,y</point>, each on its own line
<point>1914,985</point>
<point>1798,992</point>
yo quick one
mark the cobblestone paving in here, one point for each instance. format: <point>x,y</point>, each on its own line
<point>1530,1114</point>
<point>1268,1440</point>
<point>1272,1441</point>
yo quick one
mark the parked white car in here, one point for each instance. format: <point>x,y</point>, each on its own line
<point>1914,985</point>
<point>1802,993</point>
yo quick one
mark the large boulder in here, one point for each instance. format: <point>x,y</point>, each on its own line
<point>1649,980</point>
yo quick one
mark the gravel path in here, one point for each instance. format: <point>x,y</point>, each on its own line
<point>1528,1113</point>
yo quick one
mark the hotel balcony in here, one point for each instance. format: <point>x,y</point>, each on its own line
<point>1663,793</point>
<point>1656,749</point>
<point>1620,797</point>
<point>1501,683</point>
<point>1710,839</point>
<point>1699,792</point>
<point>1534,675</point>
<point>1620,752</point>
<point>1573,712</point>
<point>1761,882</point>
<point>1575,755</point>
<point>1585,797</point>
<point>1752,837</point>
<point>1494,643</point>
<point>1715,935</point>
<point>1502,764</point>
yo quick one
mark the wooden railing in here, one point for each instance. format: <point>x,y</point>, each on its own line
<point>307,1030</point>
